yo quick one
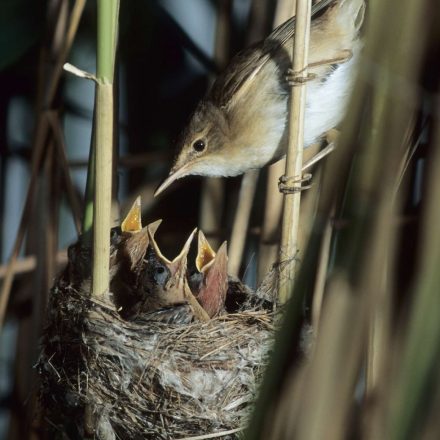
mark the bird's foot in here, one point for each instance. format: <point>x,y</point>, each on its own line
<point>297,78</point>
<point>320,155</point>
<point>292,185</point>
<point>343,57</point>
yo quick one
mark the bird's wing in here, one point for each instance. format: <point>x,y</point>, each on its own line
<point>286,30</point>
<point>246,64</point>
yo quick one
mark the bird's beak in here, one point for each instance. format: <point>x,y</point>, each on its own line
<point>138,240</point>
<point>177,267</point>
<point>205,253</point>
<point>176,288</point>
<point>133,221</point>
<point>214,287</point>
<point>175,174</point>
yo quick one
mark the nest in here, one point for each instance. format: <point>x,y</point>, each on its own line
<point>145,378</point>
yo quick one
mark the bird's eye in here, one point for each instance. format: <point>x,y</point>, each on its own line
<point>199,145</point>
<point>160,275</point>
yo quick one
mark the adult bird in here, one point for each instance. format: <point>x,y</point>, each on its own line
<point>241,124</point>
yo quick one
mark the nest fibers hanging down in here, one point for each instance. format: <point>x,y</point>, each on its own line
<point>144,378</point>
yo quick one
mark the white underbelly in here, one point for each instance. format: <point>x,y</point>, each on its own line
<point>327,101</point>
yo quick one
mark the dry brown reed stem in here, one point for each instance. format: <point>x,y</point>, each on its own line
<point>269,239</point>
<point>390,130</point>
<point>370,239</point>
<point>140,160</point>
<point>48,244</point>
<point>412,381</point>
<point>379,338</point>
<point>29,263</point>
<point>211,208</point>
<point>39,145</point>
<point>241,220</point>
<point>335,369</point>
<point>212,197</point>
<point>382,250</point>
<point>74,19</point>
<point>321,274</point>
<point>38,150</point>
<point>249,180</point>
<point>294,158</point>
<point>330,376</point>
<point>415,384</point>
<point>269,242</point>
<point>358,283</point>
<point>60,147</point>
<point>307,219</point>
<point>309,201</point>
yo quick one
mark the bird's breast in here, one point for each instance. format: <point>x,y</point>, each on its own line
<point>327,98</point>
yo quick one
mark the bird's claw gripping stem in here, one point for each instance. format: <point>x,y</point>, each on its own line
<point>292,185</point>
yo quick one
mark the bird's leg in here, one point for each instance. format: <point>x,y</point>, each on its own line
<point>296,78</point>
<point>331,139</point>
<point>343,57</point>
<point>319,156</point>
<point>291,185</point>
<point>287,185</point>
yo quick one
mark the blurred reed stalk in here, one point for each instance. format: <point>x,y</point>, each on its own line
<point>39,219</point>
<point>100,170</point>
<point>294,158</point>
<point>269,239</point>
<point>212,197</point>
<point>269,247</point>
<point>40,143</point>
<point>257,24</point>
<point>413,380</point>
<point>372,369</point>
<point>108,11</point>
<point>241,220</point>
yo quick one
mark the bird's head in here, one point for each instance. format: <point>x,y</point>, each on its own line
<point>131,240</point>
<point>136,237</point>
<point>203,147</point>
<point>164,281</point>
<point>211,280</point>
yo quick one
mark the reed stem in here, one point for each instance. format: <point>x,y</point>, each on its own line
<point>241,220</point>
<point>107,36</point>
<point>289,233</point>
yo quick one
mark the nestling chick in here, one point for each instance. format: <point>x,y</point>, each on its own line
<point>129,244</point>
<point>210,283</point>
<point>241,123</point>
<point>164,285</point>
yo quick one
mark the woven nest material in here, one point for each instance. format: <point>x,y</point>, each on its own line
<point>144,378</point>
